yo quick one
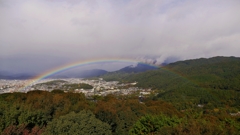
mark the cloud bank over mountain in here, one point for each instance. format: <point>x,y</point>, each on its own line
<point>36,35</point>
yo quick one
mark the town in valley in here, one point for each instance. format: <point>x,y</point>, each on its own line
<point>95,87</point>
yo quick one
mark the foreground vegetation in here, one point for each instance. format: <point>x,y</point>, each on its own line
<point>41,112</point>
<point>194,97</point>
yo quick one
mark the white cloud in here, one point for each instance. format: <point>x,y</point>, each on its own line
<point>75,30</point>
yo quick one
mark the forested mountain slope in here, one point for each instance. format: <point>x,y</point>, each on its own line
<point>216,73</point>
<point>215,80</point>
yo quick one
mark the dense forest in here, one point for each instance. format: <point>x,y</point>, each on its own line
<point>194,97</point>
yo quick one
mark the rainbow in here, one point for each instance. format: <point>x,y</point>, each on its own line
<point>72,65</point>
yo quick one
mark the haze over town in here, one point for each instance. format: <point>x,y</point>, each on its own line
<point>38,35</point>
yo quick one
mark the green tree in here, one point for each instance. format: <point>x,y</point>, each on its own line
<point>151,124</point>
<point>81,123</point>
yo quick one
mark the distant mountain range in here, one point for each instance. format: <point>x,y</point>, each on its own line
<point>81,74</point>
<point>140,67</point>
<point>182,67</point>
<point>11,76</point>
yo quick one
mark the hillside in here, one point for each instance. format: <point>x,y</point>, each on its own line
<point>214,80</point>
<point>215,73</point>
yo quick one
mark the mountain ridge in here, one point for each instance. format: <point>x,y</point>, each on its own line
<point>140,67</point>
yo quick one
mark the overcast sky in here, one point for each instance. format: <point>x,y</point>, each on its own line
<point>37,35</point>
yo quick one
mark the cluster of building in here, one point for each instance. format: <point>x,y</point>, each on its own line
<point>100,87</point>
<point>9,86</point>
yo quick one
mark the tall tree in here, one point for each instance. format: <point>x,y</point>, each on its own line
<point>80,123</point>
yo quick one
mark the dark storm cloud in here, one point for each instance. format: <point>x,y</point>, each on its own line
<point>88,29</point>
